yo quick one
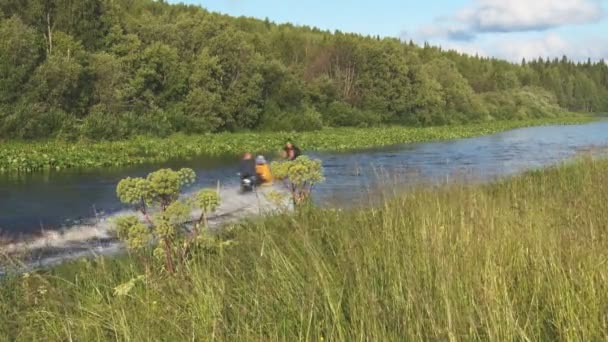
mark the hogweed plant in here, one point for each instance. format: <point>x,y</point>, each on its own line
<point>165,230</point>
<point>207,200</point>
<point>300,176</point>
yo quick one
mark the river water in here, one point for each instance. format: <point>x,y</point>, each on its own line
<point>55,200</point>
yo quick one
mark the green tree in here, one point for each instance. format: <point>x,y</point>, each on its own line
<point>456,92</point>
<point>112,69</point>
<point>20,52</point>
<point>384,82</point>
<point>204,101</point>
<point>239,79</point>
<point>158,79</point>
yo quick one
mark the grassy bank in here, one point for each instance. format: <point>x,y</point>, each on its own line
<point>523,259</point>
<point>57,155</point>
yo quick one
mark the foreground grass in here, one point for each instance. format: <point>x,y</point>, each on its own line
<point>57,155</point>
<point>523,259</point>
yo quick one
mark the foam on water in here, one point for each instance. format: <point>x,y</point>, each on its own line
<point>87,240</point>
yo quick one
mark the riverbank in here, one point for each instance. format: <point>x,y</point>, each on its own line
<point>25,157</point>
<point>518,259</point>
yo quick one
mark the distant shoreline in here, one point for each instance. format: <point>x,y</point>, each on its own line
<point>54,155</point>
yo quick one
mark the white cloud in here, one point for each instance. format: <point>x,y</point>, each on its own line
<point>528,15</point>
<point>493,16</point>
<point>518,46</point>
<point>551,46</point>
<point>451,33</point>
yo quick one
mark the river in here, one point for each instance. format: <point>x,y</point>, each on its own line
<point>56,200</point>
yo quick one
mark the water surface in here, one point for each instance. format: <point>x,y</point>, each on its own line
<point>29,203</point>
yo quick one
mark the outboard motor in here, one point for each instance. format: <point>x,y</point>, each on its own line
<point>247,183</point>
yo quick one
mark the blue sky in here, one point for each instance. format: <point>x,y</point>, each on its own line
<point>510,29</point>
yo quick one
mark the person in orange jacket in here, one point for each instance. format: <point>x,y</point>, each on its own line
<point>263,170</point>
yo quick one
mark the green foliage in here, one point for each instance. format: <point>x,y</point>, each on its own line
<point>207,200</point>
<point>299,172</point>
<point>298,120</point>
<point>165,185</point>
<point>58,155</point>
<point>100,125</point>
<point>19,53</point>
<point>124,289</point>
<point>522,104</point>
<point>175,214</point>
<point>186,176</point>
<point>340,114</point>
<point>136,235</point>
<point>133,191</point>
<point>123,224</point>
<point>300,176</point>
<point>101,69</point>
<point>167,226</point>
<point>521,259</point>
<point>161,187</point>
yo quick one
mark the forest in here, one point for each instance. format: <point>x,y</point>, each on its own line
<point>112,69</point>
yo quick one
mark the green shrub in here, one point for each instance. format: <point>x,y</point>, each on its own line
<point>167,227</point>
<point>299,120</point>
<point>300,176</point>
<point>340,114</point>
<point>100,125</point>
<point>522,104</point>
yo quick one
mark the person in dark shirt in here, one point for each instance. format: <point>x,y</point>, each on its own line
<point>247,167</point>
<point>291,151</point>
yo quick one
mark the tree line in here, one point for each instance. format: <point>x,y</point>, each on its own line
<point>110,69</point>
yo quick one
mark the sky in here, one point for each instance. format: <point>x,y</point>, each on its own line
<point>507,29</point>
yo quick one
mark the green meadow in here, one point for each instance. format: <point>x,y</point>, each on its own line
<point>520,259</point>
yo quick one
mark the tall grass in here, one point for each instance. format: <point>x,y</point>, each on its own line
<point>521,259</point>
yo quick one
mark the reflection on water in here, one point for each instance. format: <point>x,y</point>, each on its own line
<point>50,200</point>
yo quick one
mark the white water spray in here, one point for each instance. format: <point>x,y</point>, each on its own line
<point>88,240</point>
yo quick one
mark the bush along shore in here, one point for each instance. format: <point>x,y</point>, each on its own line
<point>520,259</point>
<point>28,156</point>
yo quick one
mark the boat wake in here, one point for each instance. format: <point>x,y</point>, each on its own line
<point>98,238</point>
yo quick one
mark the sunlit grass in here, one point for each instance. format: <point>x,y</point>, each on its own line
<point>58,155</point>
<point>521,259</point>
